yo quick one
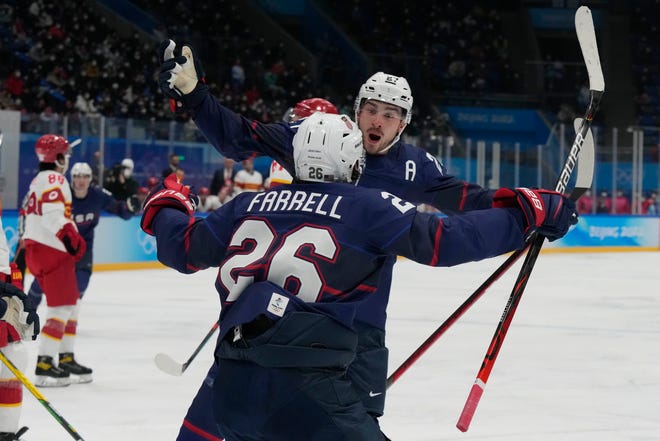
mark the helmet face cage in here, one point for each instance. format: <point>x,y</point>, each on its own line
<point>328,148</point>
<point>48,147</point>
<point>388,89</point>
<point>81,169</point>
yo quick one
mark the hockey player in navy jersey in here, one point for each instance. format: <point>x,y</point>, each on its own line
<point>297,263</point>
<point>383,109</point>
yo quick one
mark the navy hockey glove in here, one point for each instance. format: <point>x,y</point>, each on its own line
<point>181,75</point>
<point>72,240</point>
<point>169,194</point>
<point>545,212</point>
<point>16,309</point>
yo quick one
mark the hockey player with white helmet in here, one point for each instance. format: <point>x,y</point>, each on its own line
<point>320,249</point>
<point>383,109</point>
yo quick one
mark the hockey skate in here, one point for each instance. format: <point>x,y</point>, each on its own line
<point>49,375</point>
<point>80,373</point>
<point>8,436</point>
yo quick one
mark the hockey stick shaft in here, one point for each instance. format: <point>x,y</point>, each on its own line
<point>208,336</point>
<point>586,35</point>
<point>34,391</point>
<point>503,326</point>
<point>168,365</point>
<point>453,318</point>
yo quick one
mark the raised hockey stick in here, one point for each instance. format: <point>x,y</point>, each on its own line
<point>60,419</point>
<point>587,37</point>
<point>170,366</point>
<point>586,176</point>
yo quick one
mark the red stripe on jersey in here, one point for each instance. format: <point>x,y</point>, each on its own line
<point>461,205</point>
<point>186,242</point>
<point>336,292</point>
<point>436,246</point>
<point>254,136</point>
<point>202,433</point>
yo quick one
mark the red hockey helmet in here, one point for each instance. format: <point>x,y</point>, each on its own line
<point>152,182</point>
<point>309,106</point>
<point>49,146</point>
<point>204,191</point>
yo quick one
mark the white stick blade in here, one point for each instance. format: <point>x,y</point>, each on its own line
<point>584,27</point>
<point>585,165</point>
<point>168,365</point>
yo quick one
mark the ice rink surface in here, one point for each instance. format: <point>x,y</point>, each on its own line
<point>579,363</point>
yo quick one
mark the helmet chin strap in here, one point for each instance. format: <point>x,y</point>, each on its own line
<point>394,141</point>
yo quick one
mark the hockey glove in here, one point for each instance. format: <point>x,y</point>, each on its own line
<point>169,194</point>
<point>180,74</point>
<point>72,240</point>
<point>545,212</point>
<point>133,204</point>
<point>16,309</point>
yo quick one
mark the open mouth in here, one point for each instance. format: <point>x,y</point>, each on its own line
<point>374,138</point>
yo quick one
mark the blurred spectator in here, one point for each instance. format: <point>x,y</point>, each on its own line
<point>120,181</point>
<point>14,84</point>
<point>152,182</point>
<point>621,203</point>
<point>651,205</point>
<point>585,204</point>
<point>223,177</point>
<point>237,77</point>
<point>180,174</point>
<point>248,179</point>
<point>604,203</point>
<point>172,166</point>
<point>207,201</point>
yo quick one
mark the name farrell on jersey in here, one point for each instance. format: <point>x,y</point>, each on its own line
<point>309,202</point>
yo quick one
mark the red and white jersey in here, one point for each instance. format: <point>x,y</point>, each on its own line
<point>245,181</point>
<point>210,203</point>
<point>48,208</point>
<point>278,175</point>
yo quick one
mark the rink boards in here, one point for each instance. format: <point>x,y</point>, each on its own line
<point>121,244</point>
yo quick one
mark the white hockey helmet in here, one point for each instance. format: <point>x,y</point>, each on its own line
<point>328,148</point>
<point>388,89</point>
<point>81,169</point>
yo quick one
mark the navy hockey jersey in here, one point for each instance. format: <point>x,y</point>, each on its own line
<point>86,211</point>
<point>331,245</point>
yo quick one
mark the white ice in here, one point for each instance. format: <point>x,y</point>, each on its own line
<point>580,361</point>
